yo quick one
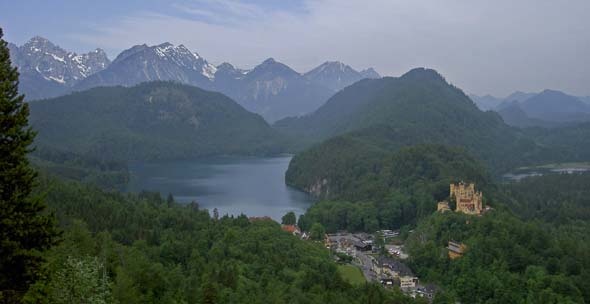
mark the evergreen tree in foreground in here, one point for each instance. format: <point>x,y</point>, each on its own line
<point>25,231</point>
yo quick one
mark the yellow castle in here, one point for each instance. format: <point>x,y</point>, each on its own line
<point>467,199</point>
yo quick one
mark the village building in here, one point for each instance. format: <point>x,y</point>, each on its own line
<point>292,229</point>
<point>427,291</point>
<point>393,272</point>
<point>362,246</point>
<point>456,249</point>
<point>407,283</point>
<point>443,206</point>
<point>348,243</point>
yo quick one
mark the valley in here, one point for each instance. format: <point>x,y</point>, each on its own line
<point>146,172</point>
<point>378,156</point>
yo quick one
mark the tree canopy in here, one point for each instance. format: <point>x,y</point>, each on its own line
<point>25,230</point>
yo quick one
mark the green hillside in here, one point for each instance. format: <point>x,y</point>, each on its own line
<point>141,248</point>
<point>418,107</point>
<point>157,120</point>
<point>384,191</point>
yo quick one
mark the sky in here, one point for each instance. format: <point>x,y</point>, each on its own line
<point>484,47</point>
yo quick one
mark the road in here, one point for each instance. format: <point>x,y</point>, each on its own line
<point>366,264</point>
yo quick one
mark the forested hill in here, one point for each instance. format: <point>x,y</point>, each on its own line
<point>140,248</point>
<point>371,191</point>
<point>156,120</point>
<point>421,97</point>
<point>418,107</point>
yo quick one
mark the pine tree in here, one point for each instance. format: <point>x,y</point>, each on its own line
<point>25,229</point>
<point>170,200</point>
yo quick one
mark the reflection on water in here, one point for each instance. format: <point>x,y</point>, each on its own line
<point>253,186</point>
<point>538,171</point>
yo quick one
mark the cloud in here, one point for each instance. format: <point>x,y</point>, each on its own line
<point>482,46</point>
<point>223,12</point>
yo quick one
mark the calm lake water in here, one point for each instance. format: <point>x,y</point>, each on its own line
<point>547,169</point>
<point>253,186</point>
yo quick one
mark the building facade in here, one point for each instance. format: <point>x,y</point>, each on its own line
<point>456,249</point>
<point>468,200</point>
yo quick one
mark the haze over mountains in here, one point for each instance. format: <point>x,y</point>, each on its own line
<point>271,89</point>
<point>366,122</point>
<point>548,108</point>
<point>379,115</point>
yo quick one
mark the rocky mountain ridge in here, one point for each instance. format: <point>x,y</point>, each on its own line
<point>271,88</point>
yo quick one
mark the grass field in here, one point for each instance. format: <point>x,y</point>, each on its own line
<point>351,274</point>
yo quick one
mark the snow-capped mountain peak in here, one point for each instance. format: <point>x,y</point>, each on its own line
<point>370,73</point>
<point>42,61</point>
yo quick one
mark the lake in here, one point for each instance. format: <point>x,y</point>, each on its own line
<point>253,186</point>
<point>565,168</point>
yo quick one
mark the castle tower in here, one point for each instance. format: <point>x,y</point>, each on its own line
<point>467,199</point>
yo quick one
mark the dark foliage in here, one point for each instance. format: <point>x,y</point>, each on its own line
<point>507,260</point>
<point>387,191</point>
<point>157,120</point>
<point>25,230</point>
<point>155,252</point>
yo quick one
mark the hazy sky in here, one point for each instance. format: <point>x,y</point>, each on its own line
<point>492,46</point>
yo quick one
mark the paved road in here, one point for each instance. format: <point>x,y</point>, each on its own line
<point>366,264</point>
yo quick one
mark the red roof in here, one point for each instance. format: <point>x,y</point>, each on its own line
<point>290,228</point>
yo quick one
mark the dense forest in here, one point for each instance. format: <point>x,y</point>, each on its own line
<point>141,248</point>
<point>533,247</point>
<point>559,199</point>
<point>389,191</point>
<point>155,120</point>
<point>107,174</point>
<point>507,260</point>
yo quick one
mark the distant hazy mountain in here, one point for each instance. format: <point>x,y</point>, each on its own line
<point>272,89</point>
<point>489,102</point>
<point>337,75</point>
<point>370,73</point>
<point>152,120</point>
<point>486,102</point>
<point>47,70</point>
<point>519,96</point>
<point>513,114</point>
<point>556,106</point>
<point>546,109</point>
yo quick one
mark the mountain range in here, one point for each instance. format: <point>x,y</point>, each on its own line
<point>271,89</point>
<point>46,70</point>
<point>549,108</point>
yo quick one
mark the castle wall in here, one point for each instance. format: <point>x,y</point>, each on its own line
<point>467,199</point>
